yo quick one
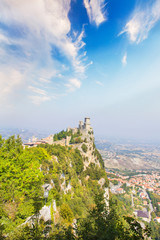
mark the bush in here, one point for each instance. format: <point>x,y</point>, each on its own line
<point>61,135</point>
<point>77,162</point>
<point>99,157</point>
<point>66,213</point>
<point>75,140</point>
<point>84,148</point>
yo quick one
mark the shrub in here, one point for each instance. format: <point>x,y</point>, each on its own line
<point>66,213</point>
<point>84,148</point>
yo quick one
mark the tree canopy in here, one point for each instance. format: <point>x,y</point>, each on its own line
<point>81,210</point>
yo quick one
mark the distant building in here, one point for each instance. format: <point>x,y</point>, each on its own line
<point>120,191</point>
<point>144,215</point>
<point>84,128</point>
<point>34,139</point>
<point>49,139</point>
<point>150,189</point>
<point>145,202</point>
<point>34,144</point>
<point>157,219</point>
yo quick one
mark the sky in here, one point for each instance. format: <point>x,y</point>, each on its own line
<point>64,60</point>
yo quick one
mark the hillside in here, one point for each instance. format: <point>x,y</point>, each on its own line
<point>52,191</point>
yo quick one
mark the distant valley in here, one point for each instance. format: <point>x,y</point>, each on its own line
<point>132,156</point>
<point>25,134</point>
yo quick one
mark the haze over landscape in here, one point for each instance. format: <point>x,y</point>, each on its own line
<point>63,60</point>
<point>79,119</point>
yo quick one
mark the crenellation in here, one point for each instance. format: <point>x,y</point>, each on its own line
<point>84,127</point>
<point>73,130</point>
<point>80,125</point>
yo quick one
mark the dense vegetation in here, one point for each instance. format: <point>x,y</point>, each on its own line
<point>155,200</point>
<point>64,134</point>
<point>99,157</point>
<point>23,172</point>
<point>100,224</point>
<point>61,135</point>
<point>75,139</point>
<point>84,148</point>
<point>21,180</point>
<point>155,227</point>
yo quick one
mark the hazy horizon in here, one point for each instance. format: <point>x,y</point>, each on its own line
<point>42,133</point>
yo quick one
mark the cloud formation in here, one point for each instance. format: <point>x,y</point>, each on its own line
<point>30,34</point>
<point>99,83</point>
<point>73,84</point>
<point>95,11</point>
<point>142,21</point>
<point>37,100</point>
<point>124,59</point>
<point>10,80</point>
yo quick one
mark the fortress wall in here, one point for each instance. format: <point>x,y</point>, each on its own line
<point>60,142</point>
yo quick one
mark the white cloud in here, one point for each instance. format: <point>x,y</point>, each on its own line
<point>37,100</point>
<point>73,84</point>
<point>34,28</point>
<point>42,95</point>
<point>4,39</point>
<point>95,11</point>
<point>44,80</point>
<point>37,90</point>
<point>124,59</point>
<point>142,21</point>
<point>10,81</point>
<point>99,83</point>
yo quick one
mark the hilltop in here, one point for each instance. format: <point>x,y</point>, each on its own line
<point>59,190</point>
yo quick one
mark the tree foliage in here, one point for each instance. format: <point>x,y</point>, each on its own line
<point>77,193</point>
<point>61,135</point>
<point>84,148</point>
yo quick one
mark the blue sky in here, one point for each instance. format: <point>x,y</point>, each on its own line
<point>62,60</point>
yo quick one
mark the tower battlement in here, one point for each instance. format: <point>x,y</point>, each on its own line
<point>87,120</point>
<point>83,128</point>
<point>86,126</point>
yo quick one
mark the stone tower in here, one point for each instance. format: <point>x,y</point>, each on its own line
<point>87,124</point>
<point>80,125</point>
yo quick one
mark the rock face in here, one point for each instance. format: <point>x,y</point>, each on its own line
<point>44,213</point>
<point>89,155</point>
<point>106,197</point>
<point>87,147</point>
<point>85,135</point>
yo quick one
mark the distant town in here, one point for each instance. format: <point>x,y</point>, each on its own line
<point>133,170</point>
<point>141,188</point>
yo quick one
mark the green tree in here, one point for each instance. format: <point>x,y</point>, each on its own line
<point>77,161</point>
<point>102,224</point>
<point>84,148</point>
<point>66,213</point>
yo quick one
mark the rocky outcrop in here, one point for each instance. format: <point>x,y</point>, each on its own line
<point>44,213</point>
